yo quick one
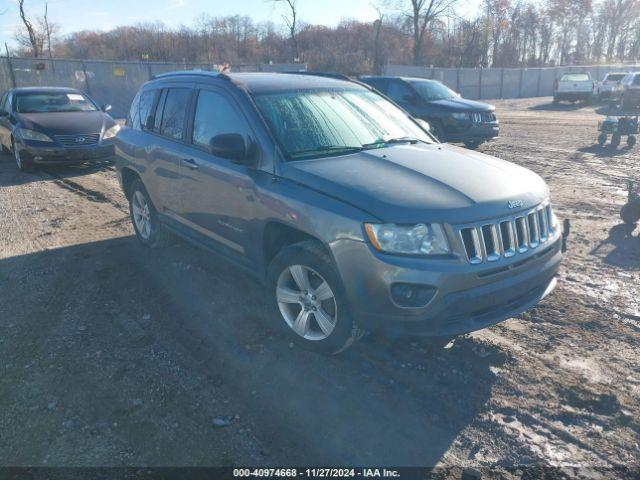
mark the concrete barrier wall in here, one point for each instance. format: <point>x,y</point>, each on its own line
<point>492,83</point>
<point>107,82</point>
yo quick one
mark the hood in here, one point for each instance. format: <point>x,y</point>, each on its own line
<point>462,104</point>
<point>422,183</point>
<point>66,123</point>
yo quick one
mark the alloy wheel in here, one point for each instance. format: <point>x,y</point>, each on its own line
<point>16,155</point>
<point>141,214</point>
<point>307,302</point>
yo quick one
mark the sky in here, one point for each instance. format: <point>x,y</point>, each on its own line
<point>75,15</point>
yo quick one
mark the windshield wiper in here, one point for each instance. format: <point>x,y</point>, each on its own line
<point>391,141</point>
<point>325,148</point>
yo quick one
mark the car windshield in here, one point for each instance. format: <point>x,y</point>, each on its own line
<point>53,102</point>
<point>575,77</point>
<point>433,90</point>
<point>615,77</point>
<point>320,123</point>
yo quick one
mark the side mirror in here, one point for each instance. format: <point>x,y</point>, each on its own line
<point>232,147</point>
<point>424,124</point>
<point>106,107</point>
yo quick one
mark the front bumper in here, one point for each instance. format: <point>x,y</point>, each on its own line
<point>468,297</point>
<point>464,131</point>
<point>54,155</point>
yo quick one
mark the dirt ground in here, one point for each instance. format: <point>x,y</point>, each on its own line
<point>114,355</point>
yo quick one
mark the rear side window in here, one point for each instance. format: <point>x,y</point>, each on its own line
<point>174,112</point>
<point>215,115</point>
<point>636,80</point>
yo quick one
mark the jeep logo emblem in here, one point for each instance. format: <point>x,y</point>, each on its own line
<point>515,203</point>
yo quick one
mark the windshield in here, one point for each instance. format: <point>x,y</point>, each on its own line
<point>575,77</point>
<point>433,91</point>
<point>311,124</point>
<point>53,102</point>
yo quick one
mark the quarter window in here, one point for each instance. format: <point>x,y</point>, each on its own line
<point>141,109</point>
<point>215,115</point>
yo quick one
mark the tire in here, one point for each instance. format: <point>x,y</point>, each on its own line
<point>294,279</point>
<point>602,139</point>
<point>630,213</point>
<point>472,144</point>
<point>631,141</point>
<point>21,164</point>
<point>615,140</point>
<point>145,221</point>
<point>438,132</point>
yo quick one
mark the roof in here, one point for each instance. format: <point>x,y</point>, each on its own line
<point>261,82</point>
<point>274,82</point>
<point>364,78</point>
<point>45,90</point>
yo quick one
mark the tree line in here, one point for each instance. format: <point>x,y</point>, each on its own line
<point>504,33</point>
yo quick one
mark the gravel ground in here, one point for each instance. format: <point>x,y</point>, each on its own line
<point>114,355</point>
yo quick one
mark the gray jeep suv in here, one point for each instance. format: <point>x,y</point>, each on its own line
<point>349,211</point>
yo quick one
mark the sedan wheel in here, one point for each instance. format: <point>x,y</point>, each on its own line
<point>22,166</point>
<point>307,302</point>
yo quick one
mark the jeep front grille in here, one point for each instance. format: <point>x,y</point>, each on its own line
<point>507,237</point>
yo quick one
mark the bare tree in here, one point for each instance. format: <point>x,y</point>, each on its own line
<point>33,38</point>
<point>377,57</point>
<point>422,13</point>
<point>291,21</point>
<point>47,28</point>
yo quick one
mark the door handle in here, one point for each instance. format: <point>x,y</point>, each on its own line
<point>190,163</point>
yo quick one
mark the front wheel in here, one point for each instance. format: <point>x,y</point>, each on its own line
<point>602,139</point>
<point>22,165</point>
<point>631,141</point>
<point>145,218</point>
<point>472,144</point>
<point>307,297</point>
<point>615,140</point>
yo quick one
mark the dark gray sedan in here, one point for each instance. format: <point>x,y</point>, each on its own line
<point>50,125</point>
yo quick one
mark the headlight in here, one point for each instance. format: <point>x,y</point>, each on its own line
<point>27,134</point>
<point>420,239</point>
<point>460,116</point>
<point>555,223</point>
<point>111,132</point>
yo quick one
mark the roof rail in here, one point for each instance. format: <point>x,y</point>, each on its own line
<point>204,73</point>
<point>337,76</point>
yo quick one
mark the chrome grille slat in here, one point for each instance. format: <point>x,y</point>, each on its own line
<point>507,237</point>
<point>79,140</point>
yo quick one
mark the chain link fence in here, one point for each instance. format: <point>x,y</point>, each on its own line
<point>107,82</point>
<point>494,83</point>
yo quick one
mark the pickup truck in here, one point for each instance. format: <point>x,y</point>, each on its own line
<point>574,87</point>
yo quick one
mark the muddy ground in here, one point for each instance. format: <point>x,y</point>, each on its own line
<point>111,354</point>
